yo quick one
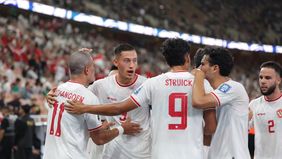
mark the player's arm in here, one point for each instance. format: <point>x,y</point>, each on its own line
<point>210,121</point>
<point>250,114</point>
<point>200,99</point>
<point>210,125</point>
<point>110,109</point>
<point>207,140</point>
<point>104,134</point>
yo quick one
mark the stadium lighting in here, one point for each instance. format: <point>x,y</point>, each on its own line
<point>136,28</point>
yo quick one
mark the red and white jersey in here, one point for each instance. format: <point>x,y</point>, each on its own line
<point>108,90</point>
<point>67,134</point>
<point>230,139</point>
<point>267,120</point>
<point>177,127</point>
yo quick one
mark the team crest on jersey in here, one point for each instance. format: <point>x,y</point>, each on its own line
<point>279,113</point>
<point>224,88</point>
<point>137,90</point>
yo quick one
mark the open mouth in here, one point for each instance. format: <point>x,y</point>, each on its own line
<point>130,71</point>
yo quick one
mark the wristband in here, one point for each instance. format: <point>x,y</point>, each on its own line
<point>120,130</point>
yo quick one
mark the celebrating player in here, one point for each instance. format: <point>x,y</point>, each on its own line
<point>266,113</point>
<point>177,130</point>
<point>231,136</point>
<point>67,134</point>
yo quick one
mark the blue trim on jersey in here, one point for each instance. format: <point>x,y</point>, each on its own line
<point>224,88</point>
<point>137,90</point>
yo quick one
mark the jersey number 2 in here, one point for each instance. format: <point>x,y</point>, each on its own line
<point>271,126</point>
<point>182,114</point>
<point>58,130</point>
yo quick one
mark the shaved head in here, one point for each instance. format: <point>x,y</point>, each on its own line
<point>78,61</point>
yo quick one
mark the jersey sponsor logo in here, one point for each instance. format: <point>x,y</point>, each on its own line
<point>260,114</point>
<point>137,90</point>
<point>111,98</point>
<point>224,88</point>
<point>279,113</point>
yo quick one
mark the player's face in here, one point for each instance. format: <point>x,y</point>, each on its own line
<point>207,68</point>
<point>268,80</point>
<point>126,63</point>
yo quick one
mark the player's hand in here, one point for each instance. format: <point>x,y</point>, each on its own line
<point>130,128</point>
<point>51,97</point>
<point>75,107</point>
<point>198,72</point>
<point>250,114</point>
<point>107,125</point>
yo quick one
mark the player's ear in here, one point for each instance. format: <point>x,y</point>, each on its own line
<point>216,68</point>
<point>278,80</point>
<point>86,70</point>
<point>115,62</point>
<point>187,58</point>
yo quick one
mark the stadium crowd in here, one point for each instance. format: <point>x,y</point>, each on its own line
<point>249,21</point>
<point>34,49</point>
<point>33,60</point>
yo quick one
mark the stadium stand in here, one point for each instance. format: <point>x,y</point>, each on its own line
<point>34,47</point>
<point>249,21</point>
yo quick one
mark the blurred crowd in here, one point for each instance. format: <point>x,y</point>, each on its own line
<point>34,49</point>
<point>33,60</point>
<point>256,21</point>
<point>33,57</point>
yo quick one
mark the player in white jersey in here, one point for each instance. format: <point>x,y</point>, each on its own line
<point>177,130</point>
<point>231,137</point>
<point>267,113</point>
<point>209,113</point>
<point>67,134</point>
<point>116,88</point>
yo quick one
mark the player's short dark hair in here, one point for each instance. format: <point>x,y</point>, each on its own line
<point>274,65</point>
<point>174,51</point>
<point>221,57</point>
<point>198,57</point>
<point>122,47</point>
<point>113,67</point>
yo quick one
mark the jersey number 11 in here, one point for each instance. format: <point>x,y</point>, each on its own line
<point>58,130</point>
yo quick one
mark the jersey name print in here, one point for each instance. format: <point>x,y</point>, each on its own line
<point>67,134</point>
<point>176,126</point>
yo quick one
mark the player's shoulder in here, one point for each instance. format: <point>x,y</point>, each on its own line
<point>156,78</point>
<point>232,86</point>
<point>104,80</point>
<point>141,78</point>
<point>75,88</point>
<point>101,83</point>
<point>70,86</point>
<point>90,97</point>
<point>257,101</point>
<point>235,84</point>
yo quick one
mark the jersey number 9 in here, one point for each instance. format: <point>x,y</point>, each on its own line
<point>182,114</point>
